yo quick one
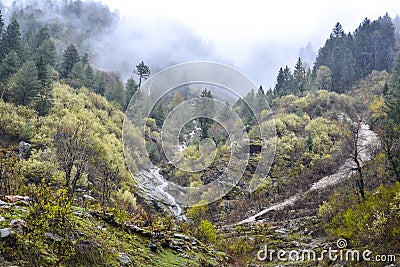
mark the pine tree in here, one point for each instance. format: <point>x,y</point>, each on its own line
<point>203,110</point>
<point>99,83</point>
<point>76,76</point>
<point>89,77</point>
<point>46,54</point>
<point>299,77</point>
<point>9,66</point>
<point>45,99</point>
<point>393,95</point>
<point>70,58</point>
<point>116,92</point>
<point>25,84</point>
<point>143,71</point>
<point>279,82</point>
<point>383,43</point>
<point>130,89</point>
<point>287,87</point>
<point>363,48</point>
<point>39,38</point>
<point>11,40</point>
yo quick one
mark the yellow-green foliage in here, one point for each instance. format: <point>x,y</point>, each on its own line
<point>373,222</point>
<point>105,122</point>
<point>18,122</point>
<point>50,213</point>
<point>198,211</point>
<point>372,85</point>
<point>125,199</point>
<point>315,104</point>
<point>206,231</point>
<point>70,108</point>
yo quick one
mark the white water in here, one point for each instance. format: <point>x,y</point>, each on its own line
<point>366,137</point>
<point>155,189</point>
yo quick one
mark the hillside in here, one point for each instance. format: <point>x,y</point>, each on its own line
<point>87,158</point>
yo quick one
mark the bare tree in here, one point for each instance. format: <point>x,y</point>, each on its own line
<point>74,150</point>
<point>105,179</point>
<point>355,150</point>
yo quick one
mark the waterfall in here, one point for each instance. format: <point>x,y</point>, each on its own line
<point>155,189</point>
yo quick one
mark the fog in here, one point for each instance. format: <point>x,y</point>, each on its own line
<point>256,37</point>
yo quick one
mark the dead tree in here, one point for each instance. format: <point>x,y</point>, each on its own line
<point>355,150</point>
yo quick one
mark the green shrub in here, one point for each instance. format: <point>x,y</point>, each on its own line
<point>206,232</point>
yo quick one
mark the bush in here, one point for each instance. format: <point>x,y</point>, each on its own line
<point>373,222</point>
<point>206,232</point>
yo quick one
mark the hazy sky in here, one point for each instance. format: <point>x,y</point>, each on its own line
<point>257,36</point>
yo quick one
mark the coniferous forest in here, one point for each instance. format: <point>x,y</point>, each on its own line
<point>68,196</point>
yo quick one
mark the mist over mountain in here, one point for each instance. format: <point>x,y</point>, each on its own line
<point>116,43</point>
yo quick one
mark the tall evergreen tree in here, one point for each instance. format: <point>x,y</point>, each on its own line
<point>11,40</point>
<point>130,89</point>
<point>115,92</point>
<point>279,82</point>
<point>204,109</point>
<point>8,68</point>
<point>143,71</point>
<point>337,54</point>
<point>89,77</point>
<point>45,98</point>
<point>25,84</point>
<point>76,77</point>
<point>99,85</point>
<point>383,43</point>
<point>393,95</point>
<point>70,58</point>
<point>363,48</point>
<point>299,77</point>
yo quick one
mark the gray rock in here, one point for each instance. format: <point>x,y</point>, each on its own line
<point>181,236</point>
<point>2,219</point>
<point>88,197</point>
<point>53,237</point>
<point>6,232</point>
<point>152,247</point>
<point>281,231</point>
<point>24,150</point>
<point>2,203</point>
<point>19,225</point>
<point>14,199</point>
<point>124,258</point>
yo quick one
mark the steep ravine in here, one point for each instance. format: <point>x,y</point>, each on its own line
<point>366,137</point>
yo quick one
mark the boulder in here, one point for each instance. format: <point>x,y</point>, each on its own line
<point>53,237</point>
<point>181,236</point>
<point>6,232</point>
<point>88,197</point>
<point>152,247</point>
<point>19,225</point>
<point>124,259</point>
<point>14,199</point>
<point>24,150</point>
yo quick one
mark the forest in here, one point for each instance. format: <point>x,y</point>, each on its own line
<point>69,186</point>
